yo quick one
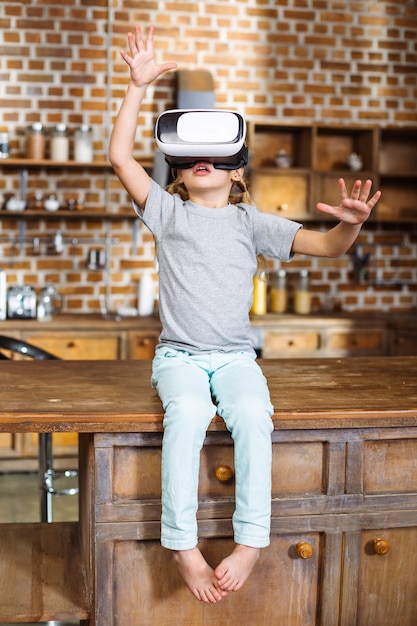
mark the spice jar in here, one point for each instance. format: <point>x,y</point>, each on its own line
<point>59,146</point>
<point>4,142</point>
<point>302,295</point>
<point>278,295</point>
<point>259,294</point>
<point>83,144</point>
<point>35,142</point>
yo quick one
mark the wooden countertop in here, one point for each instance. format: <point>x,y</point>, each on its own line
<point>94,321</point>
<point>74,322</point>
<point>116,396</point>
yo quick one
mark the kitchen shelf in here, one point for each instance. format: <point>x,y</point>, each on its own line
<point>100,164</point>
<point>61,214</point>
<point>67,176</point>
<point>319,155</point>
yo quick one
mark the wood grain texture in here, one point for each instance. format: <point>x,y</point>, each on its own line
<point>106,396</point>
<point>42,576</point>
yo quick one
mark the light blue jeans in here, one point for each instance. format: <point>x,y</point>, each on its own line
<point>193,388</point>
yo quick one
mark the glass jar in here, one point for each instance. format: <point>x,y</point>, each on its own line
<point>302,295</point>
<point>278,294</point>
<point>83,144</point>
<point>259,294</point>
<point>35,142</point>
<point>59,146</point>
<point>4,142</point>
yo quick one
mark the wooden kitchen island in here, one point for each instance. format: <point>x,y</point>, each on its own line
<point>344,501</point>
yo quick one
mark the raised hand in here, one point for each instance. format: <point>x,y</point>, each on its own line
<point>141,61</point>
<point>354,209</point>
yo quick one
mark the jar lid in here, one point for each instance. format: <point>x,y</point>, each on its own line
<point>60,128</point>
<point>84,128</point>
<point>37,127</point>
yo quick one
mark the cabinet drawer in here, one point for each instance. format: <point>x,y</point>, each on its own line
<point>283,194</point>
<point>75,346</point>
<point>142,345</point>
<point>279,343</point>
<point>367,341</point>
<point>390,466</point>
<point>131,475</point>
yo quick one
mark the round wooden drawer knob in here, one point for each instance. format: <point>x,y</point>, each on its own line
<point>224,473</point>
<point>381,546</point>
<point>304,550</point>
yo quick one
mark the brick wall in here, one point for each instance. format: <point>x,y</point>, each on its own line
<point>300,60</point>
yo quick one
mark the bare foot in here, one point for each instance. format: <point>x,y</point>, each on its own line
<point>198,575</point>
<point>234,570</point>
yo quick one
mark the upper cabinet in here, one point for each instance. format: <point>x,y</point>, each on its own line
<point>397,167</point>
<point>293,167</point>
<point>281,168</point>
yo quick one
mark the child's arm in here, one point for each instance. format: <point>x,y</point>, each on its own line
<point>143,70</point>
<point>352,213</point>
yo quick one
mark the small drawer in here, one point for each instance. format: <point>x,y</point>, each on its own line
<point>366,340</point>
<point>137,473</point>
<point>298,468</point>
<point>286,343</point>
<point>390,466</point>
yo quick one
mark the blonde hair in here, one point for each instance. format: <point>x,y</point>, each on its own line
<point>239,191</point>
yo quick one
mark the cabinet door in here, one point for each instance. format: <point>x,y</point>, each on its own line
<point>403,343</point>
<point>287,195</point>
<point>74,346</point>
<point>148,590</point>
<point>142,344</point>
<point>388,580</point>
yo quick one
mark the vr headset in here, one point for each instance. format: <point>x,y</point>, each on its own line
<point>186,136</point>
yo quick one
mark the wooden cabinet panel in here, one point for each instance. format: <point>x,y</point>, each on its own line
<point>290,342</point>
<point>403,342</point>
<point>142,344</point>
<point>298,468</point>
<point>287,195</point>
<point>132,474</point>
<point>390,466</point>
<point>315,336</point>
<point>387,587</point>
<point>367,341</point>
<point>147,588</point>
<point>75,346</point>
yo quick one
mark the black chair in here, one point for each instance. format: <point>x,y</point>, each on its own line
<point>45,471</point>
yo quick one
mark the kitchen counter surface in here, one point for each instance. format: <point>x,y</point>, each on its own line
<point>107,396</point>
<point>87,321</point>
<point>68,321</point>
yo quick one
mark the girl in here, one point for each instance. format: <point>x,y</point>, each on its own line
<point>207,243</point>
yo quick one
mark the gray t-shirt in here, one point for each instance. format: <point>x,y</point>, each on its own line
<point>207,260</point>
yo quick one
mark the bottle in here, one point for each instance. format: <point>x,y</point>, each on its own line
<point>4,142</point>
<point>302,295</point>
<point>278,295</point>
<point>146,295</point>
<point>83,144</point>
<point>3,295</point>
<point>59,147</point>
<point>35,142</point>
<point>259,294</point>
